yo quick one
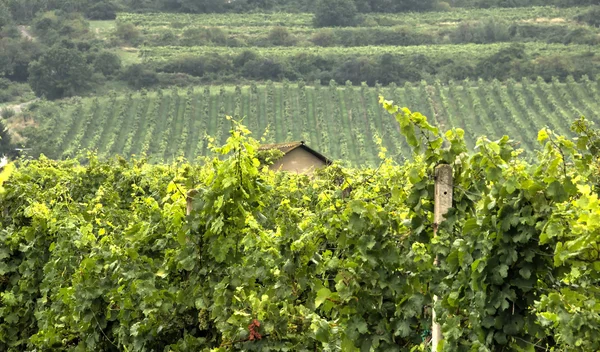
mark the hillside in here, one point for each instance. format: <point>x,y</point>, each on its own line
<point>143,209</point>
<point>340,121</point>
<point>157,83</point>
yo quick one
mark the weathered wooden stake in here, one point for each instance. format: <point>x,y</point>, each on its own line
<point>442,202</point>
<point>189,199</point>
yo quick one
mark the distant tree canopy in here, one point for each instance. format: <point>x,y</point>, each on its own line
<point>591,17</point>
<point>60,72</point>
<point>394,5</point>
<point>196,6</point>
<point>522,3</point>
<point>15,56</point>
<point>53,26</point>
<point>26,10</point>
<point>103,10</point>
<point>137,76</point>
<point>5,17</point>
<point>335,13</point>
<point>106,63</point>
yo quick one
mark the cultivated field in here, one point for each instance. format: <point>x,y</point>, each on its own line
<point>339,121</point>
<point>169,35</point>
<point>342,121</point>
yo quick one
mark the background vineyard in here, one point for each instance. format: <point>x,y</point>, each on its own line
<point>168,35</point>
<point>305,19</point>
<point>449,51</point>
<point>340,121</point>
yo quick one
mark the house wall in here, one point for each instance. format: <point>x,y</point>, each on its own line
<point>298,160</point>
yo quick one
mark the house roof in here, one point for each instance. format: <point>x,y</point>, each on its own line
<point>288,147</point>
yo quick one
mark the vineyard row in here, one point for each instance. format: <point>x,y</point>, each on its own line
<point>464,52</point>
<point>176,20</point>
<point>340,121</point>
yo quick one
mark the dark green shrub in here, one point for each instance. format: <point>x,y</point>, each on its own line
<point>335,13</point>
<point>107,63</point>
<point>591,17</point>
<point>104,10</point>
<point>280,36</point>
<point>137,76</point>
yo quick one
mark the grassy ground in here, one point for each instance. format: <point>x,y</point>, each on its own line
<point>102,29</point>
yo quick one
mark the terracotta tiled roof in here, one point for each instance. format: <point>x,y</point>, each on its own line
<point>288,147</point>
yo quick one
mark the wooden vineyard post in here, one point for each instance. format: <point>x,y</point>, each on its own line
<point>442,202</point>
<point>189,199</point>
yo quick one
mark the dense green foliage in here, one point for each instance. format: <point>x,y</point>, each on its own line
<point>383,48</point>
<point>170,123</point>
<point>60,72</point>
<point>518,249</point>
<point>335,13</point>
<point>523,3</point>
<point>287,46</point>
<point>24,10</point>
<point>101,256</point>
<point>383,64</point>
<point>591,16</point>
<point>541,24</point>
<point>253,21</point>
<point>57,55</point>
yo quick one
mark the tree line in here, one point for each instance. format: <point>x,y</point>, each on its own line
<point>25,10</point>
<point>510,62</point>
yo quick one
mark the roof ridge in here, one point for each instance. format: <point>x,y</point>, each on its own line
<point>281,145</point>
<point>289,146</point>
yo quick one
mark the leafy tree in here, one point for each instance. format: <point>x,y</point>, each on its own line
<point>263,68</point>
<point>60,72</point>
<point>139,4</point>
<point>5,18</point>
<point>569,3</point>
<point>54,26</point>
<point>357,69</point>
<point>281,36</point>
<point>15,57</point>
<point>591,16</point>
<point>249,5</point>
<point>335,13</point>
<point>324,37</point>
<point>505,63</point>
<point>138,76</point>
<point>414,5</point>
<point>196,6</point>
<point>128,32</point>
<point>104,10</point>
<point>199,65</point>
<point>243,57</point>
<point>395,5</point>
<point>107,63</point>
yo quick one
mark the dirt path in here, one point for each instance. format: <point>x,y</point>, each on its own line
<point>18,108</point>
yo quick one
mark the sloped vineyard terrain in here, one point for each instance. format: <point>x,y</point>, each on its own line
<point>170,123</point>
